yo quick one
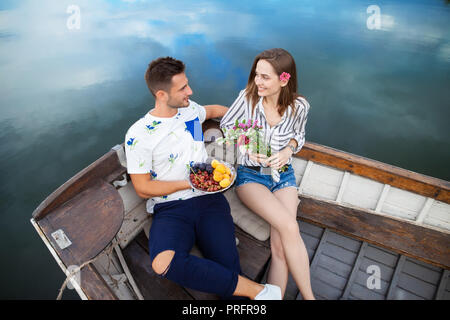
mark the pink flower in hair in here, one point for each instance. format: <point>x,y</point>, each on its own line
<point>285,76</point>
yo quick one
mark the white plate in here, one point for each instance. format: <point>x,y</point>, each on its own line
<point>232,176</point>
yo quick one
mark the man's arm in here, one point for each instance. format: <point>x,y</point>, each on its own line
<point>215,111</point>
<point>147,188</point>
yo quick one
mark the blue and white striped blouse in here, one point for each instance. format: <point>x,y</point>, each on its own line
<point>291,126</point>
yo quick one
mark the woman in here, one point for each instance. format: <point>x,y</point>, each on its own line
<point>271,98</point>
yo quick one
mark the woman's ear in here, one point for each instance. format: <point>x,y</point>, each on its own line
<point>284,83</point>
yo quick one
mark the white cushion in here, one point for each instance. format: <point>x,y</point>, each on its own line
<point>246,219</point>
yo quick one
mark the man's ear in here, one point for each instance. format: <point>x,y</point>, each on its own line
<point>161,95</point>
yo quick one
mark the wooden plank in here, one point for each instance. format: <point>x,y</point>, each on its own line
<point>323,289</point>
<point>403,204</point>
<point>322,181</point>
<point>382,172</point>
<point>342,186</point>
<point>422,272</point>
<point>395,277</point>
<point>401,294</point>
<point>331,264</point>
<point>423,213</point>
<point>90,221</point>
<point>107,168</point>
<point>361,292</point>
<point>305,177</point>
<point>310,229</point>
<point>438,215</point>
<point>339,253</point>
<point>417,286</point>
<point>442,285</point>
<point>310,242</point>
<point>389,259</point>
<point>383,196</point>
<point>253,255</point>
<point>355,269</point>
<point>330,278</point>
<point>151,285</point>
<point>319,251</point>
<point>91,282</point>
<point>344,242</point>
<point>362,192</point>
<point>315,259</point>
<point>403,237</point>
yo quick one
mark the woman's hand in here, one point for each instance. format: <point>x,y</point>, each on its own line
<point>277,160</point>
<point>257,157</point>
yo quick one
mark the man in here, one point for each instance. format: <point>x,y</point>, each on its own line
<point>159,148</point>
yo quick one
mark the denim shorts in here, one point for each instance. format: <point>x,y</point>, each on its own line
<point>247,175</point>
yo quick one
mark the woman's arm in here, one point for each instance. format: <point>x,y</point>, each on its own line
<point>300,124</point>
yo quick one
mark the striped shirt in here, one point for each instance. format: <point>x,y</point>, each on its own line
<point>291,126</point>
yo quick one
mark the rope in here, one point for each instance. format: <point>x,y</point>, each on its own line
<point>108,251</point>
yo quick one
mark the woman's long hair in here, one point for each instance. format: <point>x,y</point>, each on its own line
<point>281,61</point>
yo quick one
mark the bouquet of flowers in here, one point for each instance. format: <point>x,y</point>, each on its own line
<point>249,138</point>
<point>248,135</point>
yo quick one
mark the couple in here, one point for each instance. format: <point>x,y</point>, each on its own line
<point>160,146</point>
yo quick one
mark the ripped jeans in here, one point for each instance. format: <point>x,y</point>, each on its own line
<point>246,175</point>
<point>206,221</point>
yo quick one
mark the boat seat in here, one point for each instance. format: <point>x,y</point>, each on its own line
<point>246,219</point>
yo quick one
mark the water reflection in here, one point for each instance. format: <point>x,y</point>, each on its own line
<point>67,96</point>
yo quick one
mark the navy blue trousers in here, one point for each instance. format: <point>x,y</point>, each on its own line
<point>205,221</point>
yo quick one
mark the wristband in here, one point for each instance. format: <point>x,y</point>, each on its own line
<point>292,148</point>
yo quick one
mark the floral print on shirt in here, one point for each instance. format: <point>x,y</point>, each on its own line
<point>172,159</point>
<point>131,142</point>
<point>153,126</point>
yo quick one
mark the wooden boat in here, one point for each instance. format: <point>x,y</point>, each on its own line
<point>372,230</point>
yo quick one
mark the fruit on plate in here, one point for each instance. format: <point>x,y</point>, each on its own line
<point>210,177</point>
<point>221,168</point>
<point>224,183</point>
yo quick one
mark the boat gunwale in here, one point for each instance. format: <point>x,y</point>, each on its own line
<point>404,179</point>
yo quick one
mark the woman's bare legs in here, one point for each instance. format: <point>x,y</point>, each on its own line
<point>279,214</point>
<point>278,271</point>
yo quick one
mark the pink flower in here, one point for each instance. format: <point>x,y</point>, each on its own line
<point>285,76</point>
<point>243,140</point>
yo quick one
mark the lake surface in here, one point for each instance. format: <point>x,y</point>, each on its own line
<point>375,78</point>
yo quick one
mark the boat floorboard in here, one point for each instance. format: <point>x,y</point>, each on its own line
<point>341,268</point>
<point>253,254</point>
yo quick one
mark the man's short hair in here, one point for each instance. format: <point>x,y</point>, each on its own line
<point>160,72</point>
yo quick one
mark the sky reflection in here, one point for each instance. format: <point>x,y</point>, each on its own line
<point>68,96</point>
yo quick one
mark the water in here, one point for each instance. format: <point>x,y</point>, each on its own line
<point>68,95</point>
